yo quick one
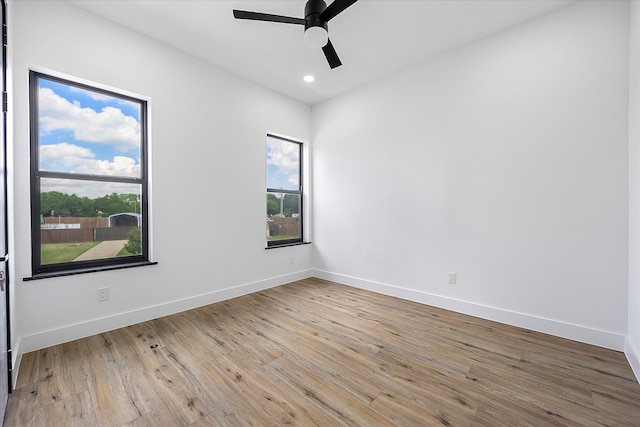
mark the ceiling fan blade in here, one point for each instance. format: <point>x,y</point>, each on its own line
<point>335,8</point>
<point>331,55</point>
<point>257,16</point>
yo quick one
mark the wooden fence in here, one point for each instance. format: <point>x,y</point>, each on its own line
<point>79,235</point>
<point>70,235</point>
<point>85,222</point>
<point>283,226</point>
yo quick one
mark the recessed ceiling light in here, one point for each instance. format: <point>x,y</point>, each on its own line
<point>309,78</point>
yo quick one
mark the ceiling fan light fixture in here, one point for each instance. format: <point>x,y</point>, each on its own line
<point>316,37</point>
<point>316,16</point>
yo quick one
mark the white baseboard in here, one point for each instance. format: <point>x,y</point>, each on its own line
<point>548,326</point>
<point>28,343</point>
<point>15,360</point>
<point>56,336</point>
<point>633,356</point>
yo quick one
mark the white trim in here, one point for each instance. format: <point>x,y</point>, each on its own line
<point>633,356</point>
<point>535,323</point>
<point>17,359</point>
<point>584,334</point>
<point>86,82</point>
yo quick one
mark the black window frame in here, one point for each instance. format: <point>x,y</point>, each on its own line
<point>298,240</point>
<point>77,267</point>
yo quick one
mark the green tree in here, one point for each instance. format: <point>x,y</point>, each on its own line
<point>134,244</point>
<point>111,204</point>
<point>291,204</point>
<point>273,204</point>
<point>53,203</point>
<point>62,204</point>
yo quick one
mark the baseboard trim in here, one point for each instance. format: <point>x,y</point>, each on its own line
<point>548,326</point>
<point>633,356</point>
<point>16,359</point>
<point>28,343</point>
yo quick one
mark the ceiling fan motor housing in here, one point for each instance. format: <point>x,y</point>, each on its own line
<point>312,11</point>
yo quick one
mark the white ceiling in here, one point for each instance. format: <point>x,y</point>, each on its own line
<point>373,38</point>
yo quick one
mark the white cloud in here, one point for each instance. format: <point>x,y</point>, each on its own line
<point>91,94</point>
<point>64,154</point>
<point>76,159</point>
<point>284,156</point>
<point>109,126</point>
<point>120,166</point>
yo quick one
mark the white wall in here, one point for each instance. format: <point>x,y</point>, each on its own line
<point>208,159</point>
<point>505,162</point>
<point>633,339</point>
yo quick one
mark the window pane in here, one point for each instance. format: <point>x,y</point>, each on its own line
<point>283,216</point>
<point>88,220</point>
<point>283,164</point>
<point>87,132</point>
<point>89,177</point>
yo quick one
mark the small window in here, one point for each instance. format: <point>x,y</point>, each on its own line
<point>89,187</point>
<point>284,191</point>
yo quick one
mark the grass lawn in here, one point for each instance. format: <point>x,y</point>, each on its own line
<point>53,253</point>
<point>272,238</point>
<point>124,252</point>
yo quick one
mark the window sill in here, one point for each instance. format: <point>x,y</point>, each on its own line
<point>86,270</point>
<point>287,245</point>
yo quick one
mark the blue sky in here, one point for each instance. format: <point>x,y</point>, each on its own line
<point>283,163</point>
<point>87,132</point>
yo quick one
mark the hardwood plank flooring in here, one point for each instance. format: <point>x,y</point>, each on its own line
<point>316,353</point>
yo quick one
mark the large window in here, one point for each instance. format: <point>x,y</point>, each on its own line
<point>284,191</point>
<point>89,187</point>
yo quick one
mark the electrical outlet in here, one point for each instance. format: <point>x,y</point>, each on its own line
<point>451,278</point>
<point>103,294</point>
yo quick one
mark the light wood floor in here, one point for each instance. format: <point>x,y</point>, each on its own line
<point>317,353</point>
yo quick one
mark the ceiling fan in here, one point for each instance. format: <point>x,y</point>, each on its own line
<point>316,16</point>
